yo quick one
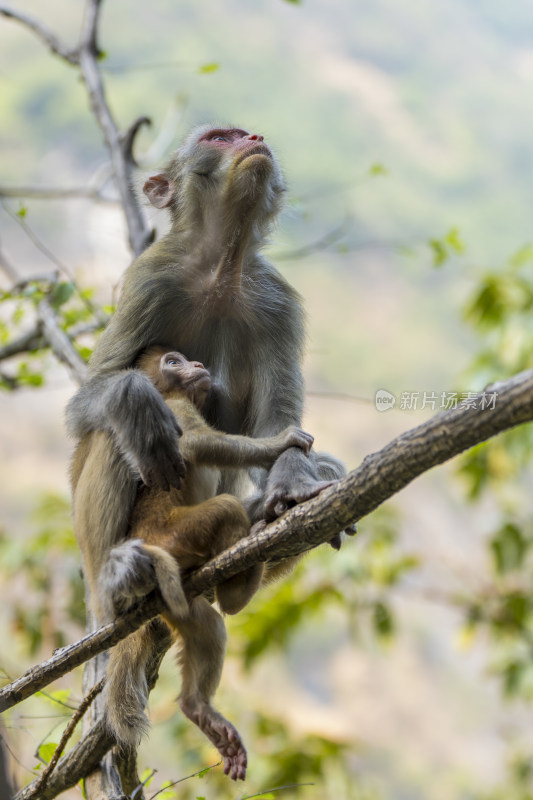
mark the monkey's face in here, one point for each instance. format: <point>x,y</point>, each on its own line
<point>221,147</point>
<point>191,377</point>
<point>218,169</point>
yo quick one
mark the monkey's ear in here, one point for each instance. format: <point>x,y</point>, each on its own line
<point>159,190</point>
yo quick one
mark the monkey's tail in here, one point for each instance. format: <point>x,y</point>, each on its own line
<point>127,688</point>
<point>168,576</point>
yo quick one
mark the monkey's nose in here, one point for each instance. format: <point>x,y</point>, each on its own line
<point>255,137</point>
<point>198,364</point>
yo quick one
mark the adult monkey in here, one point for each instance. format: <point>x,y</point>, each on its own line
<point>205,290</point>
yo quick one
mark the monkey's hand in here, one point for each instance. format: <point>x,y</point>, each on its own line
<point>294,479</point>
<point>293,437</point>
<point>281,496</point>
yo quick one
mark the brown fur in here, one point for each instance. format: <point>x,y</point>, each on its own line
<point>174,532</point>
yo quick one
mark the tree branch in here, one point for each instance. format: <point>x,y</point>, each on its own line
<point>60,343</point>
<point>138,230</point>
<point>382,474</point>
<point>43,33</point>
<point>42,781</point>
<point>55,193</point>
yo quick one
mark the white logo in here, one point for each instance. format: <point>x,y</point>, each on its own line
<point>384,400</point>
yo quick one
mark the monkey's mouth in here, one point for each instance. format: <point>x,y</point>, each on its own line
<point>202,381</point>
<point>258,149</point>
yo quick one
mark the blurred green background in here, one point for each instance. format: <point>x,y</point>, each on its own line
<point>398,669</point>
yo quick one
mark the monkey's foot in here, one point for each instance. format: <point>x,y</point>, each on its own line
<point>229,745</point>
<point>223,735</point>
<point>127,575</point>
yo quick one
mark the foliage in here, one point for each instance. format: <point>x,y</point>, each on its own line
<point>47,561</point>
<point>76,315</point>
<point>359,582</point>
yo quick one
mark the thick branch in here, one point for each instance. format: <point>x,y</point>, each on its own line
<point>88,758</point>
<point>378,478</point>
<point>42,32</point>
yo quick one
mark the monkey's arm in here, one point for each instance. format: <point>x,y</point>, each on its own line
<point>124,401</point>
<point>293,478</point>
<point>225,450</point>
<point>127,405</point>
<point>203,445</point>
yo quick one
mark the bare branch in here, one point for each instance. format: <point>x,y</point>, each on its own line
<point>79,762</point>
<point>138,229</point>
<point>88,758</point>
<point>304,527</point>
<point>128,139</point>
<point>39,244</point>
<point>324,243</point>
<point>46,35</point>
<point>41,783</point>
<point>33,340</point>
<point>7,268</point>
<point>60,343</point>
<point>54,193</point>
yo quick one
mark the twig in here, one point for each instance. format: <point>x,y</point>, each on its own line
<point>67,733</point>
<point>54,193</point>
<point>128,139</point>
<point>325,242</point>
<point>46,35</point>
<point>38,242</point>
<point>80,761</point>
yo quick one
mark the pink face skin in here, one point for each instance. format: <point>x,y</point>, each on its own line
<point>237,140</point>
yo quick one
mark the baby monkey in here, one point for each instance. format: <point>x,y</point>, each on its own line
<point>171,533</point>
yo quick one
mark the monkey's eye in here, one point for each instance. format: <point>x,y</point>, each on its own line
<point>172,362</point>
<point>220,139</point>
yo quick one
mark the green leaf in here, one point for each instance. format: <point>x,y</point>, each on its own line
<point>206,69</point>
<point>147,776</point>
<point>166,792</point>
<point>522,257</point>
<point>27,377</point>
<point>440,253</point>
<point>508,548</point>
<point>378,169</point>
<point>454,240</point>
<point>60,696</point>
<point>23,210</point>
<point>512,677</point>
<point>62,293</point>
<point>46,751</point>
<point>383,622</point>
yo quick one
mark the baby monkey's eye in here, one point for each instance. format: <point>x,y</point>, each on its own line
<point>172,361</point>
<point>220,139</point>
